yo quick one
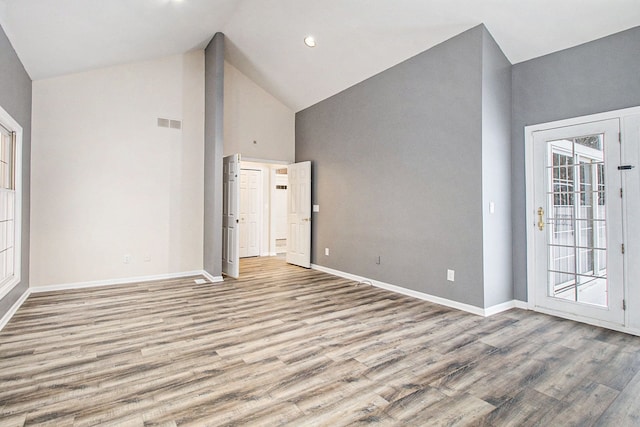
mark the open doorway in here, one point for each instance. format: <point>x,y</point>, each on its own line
<point>279,208</point>
<point>248,196</point>
<point>263,209</point>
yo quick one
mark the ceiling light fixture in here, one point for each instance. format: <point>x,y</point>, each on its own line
<point>310,41</point>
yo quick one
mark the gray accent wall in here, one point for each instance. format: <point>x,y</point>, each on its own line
<point>591,78</point>
<point>397,172</point>
<point>15,98</point>
<point>213,149</point>
<point>496,172</point>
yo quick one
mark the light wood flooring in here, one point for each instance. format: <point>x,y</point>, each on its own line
<point>289,346</point>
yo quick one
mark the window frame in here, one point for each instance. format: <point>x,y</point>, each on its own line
<point>10,124</point>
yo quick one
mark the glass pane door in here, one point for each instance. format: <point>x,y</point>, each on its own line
<point>579,267</point>
<point>576,230</point>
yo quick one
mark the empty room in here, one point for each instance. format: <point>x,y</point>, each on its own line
<point>319,213</point>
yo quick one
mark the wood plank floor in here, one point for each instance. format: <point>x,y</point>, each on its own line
<point>285,345</point>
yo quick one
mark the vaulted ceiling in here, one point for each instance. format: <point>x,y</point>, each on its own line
<point>355,38</point>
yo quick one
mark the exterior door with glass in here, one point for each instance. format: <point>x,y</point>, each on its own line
<point>578,227</point>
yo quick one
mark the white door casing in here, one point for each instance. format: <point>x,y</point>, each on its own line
<point>570,227</point>
<point>230,211</point>
<point>299,214</point>
<point>631,203</point>
<point>250,212</point>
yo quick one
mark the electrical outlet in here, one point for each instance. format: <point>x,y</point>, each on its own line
<point>451,275</point>
<point>326,251</point>
<point>126,259</point>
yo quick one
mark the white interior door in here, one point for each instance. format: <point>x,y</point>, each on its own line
<point>299,214</point>
<point>230,211</point>
<point>578,228</point>
<point>250,212</point>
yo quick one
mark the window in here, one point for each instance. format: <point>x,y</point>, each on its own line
<point>7,204</point>
<point>10,202</point>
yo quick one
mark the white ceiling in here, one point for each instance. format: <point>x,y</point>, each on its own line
<point>356,38</point>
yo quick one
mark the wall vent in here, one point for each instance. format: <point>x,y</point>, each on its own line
<point>169,123</point>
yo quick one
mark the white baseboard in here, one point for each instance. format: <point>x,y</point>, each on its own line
<point>14,308</point>
<point>523,305</point>
<point>499,308</point>
<point>124,281</point>
<point>485,312</point>
<point>211,278</point>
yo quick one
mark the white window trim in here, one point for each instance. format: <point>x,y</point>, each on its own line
<point>8,122</point>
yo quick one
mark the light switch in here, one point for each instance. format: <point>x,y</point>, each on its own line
<point>316,208</point>
<point>492,207</point>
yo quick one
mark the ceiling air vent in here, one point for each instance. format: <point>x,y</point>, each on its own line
<point>163,123</point>
<point>175,124</point>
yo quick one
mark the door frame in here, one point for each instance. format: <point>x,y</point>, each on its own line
<point>531,215</point>
<point>631,222</point>
<point>267,167</point>
<point>613,311</point>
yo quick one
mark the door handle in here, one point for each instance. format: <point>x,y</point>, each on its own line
<point>306,219</point>
<point>540,219</point>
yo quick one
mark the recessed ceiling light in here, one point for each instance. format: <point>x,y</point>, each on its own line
<point>310,41</point>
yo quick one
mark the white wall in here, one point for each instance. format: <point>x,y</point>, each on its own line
<point>107,181</point>
<point>252,114</point>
